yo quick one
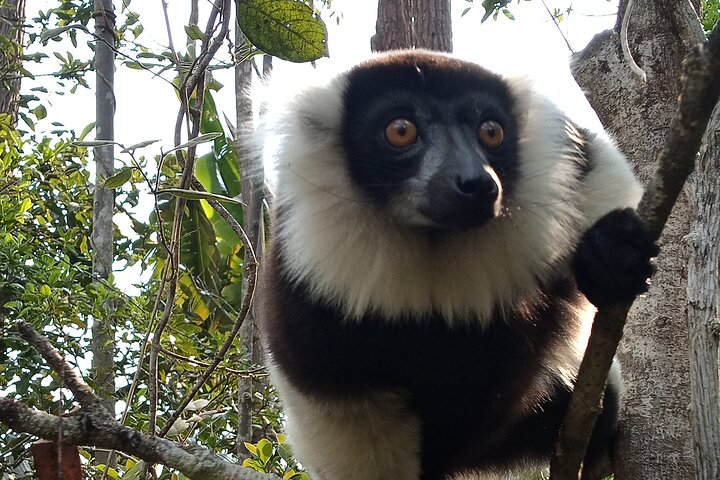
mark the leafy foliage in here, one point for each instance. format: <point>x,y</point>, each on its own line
<point>274,457</point>
<point>46,199</point>
<point>45,274</point>
<point>711,14</point>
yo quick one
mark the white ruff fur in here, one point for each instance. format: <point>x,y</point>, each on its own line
<point>353,255</point>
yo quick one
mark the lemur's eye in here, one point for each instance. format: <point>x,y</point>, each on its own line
<point>491,134</point>
<point>401,132</point>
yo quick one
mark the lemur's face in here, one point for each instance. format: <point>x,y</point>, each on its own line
<point>433,142</point>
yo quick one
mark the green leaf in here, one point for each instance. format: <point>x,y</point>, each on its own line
<point>40,112</point>
<point>25,205</point>
<point>89,128</point>
<point>194,32</point>
<point>287,29</point>
<point>119,179</point>
<point>265,450</point>
<point>250,448</point>
<point>508,14</point>
<point>45,290</point>
<point>54,32</point>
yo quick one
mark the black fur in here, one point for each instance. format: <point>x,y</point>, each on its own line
<point>447,100</point>
<point>612,262</point>
<point>470,386</point>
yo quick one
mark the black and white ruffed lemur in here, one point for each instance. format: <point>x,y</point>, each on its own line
<point>439,233</point>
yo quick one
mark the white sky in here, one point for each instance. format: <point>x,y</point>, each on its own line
<point>147,106</point>
<point>531,42</point>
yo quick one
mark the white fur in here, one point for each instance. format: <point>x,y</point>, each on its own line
<point>375,437</point>
<point>361,260</point>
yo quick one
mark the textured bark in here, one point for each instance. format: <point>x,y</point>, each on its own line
<point>252,197</point>
<point>94,426</point>
<point>413,24</point>
<point>12,17</point>
<point>702,307</point>
<point>103,329</point>
<point>432,25</point>
<point>654,440</point>
<point>393,26</point>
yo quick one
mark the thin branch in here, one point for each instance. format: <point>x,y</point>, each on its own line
<point>83,393</point>
<point>701,90</point>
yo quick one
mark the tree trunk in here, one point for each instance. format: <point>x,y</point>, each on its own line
<point>253,181</point>
<point>103,330</point>
<point>12,17</point>
<point>432,25</point>
<point>393,26</point>
<point>702,307</point>
<point>413,24</point>
<point>654,438</point>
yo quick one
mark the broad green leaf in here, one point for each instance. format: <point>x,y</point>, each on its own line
<point>119,179</point>
<point>194,32</point>
<point>40,112</point>
<point>287,29</point>
<point>250,448</point>
<point>265,450</point>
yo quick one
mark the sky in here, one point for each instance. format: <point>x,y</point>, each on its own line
<point>147,106</point>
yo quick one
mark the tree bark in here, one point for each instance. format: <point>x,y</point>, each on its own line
<point>702,307</point>
<point>253,193</point>
<point>432,25</point>
<point>654,438</point>
<point>413,24</point>
<point>12,17</point>
<point>103,329</point>
<point>393,26</point>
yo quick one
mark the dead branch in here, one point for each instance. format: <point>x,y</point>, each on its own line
<point>94,426</point>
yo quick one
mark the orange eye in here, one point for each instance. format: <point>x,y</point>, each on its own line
<point>401,133</point>
<point>491,134</point>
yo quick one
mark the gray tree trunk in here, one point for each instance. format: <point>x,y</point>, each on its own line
<point>413,24</point>
<point>12,17</point>
<point>654,440</point>
<point>253,194</point>
<point>103,330</point>
<point>702,307</point>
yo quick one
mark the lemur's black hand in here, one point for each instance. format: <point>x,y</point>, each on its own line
<point>613,260</point>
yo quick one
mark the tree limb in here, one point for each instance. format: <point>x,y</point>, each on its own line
<point>701,90</point>
<point>94,425</point>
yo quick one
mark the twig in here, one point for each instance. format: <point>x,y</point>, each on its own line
<point>701,90</point>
